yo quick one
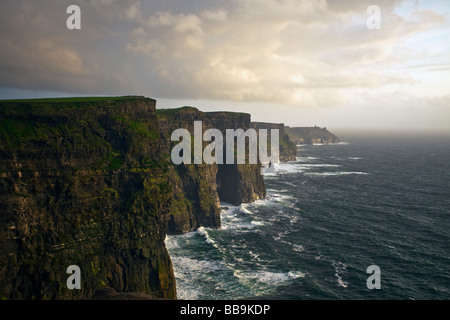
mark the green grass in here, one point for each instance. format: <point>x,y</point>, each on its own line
<point>77,126</point>
<point>167,113</point>
<point>73,99</point>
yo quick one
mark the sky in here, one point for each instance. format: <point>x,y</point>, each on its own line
<point>298,62</point>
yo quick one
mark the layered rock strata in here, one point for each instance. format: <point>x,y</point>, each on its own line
<point>89,182</point>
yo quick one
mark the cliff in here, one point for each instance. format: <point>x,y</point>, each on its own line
<point>288,149</point>
<point>200,188</point>
<point>83,183</point>
<point>310,135</point>
<point>89,182</point>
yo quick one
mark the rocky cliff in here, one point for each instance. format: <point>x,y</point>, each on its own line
<point>310,135</point>
<point>89,182</point>
<point>202,187</point>
<point>288,149</point>
<point>83,183</point>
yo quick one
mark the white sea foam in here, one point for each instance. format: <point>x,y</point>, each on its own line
<point>320,165</point>
<point>337,173</point>
<point>172,242</point>
<point>340,282</point>
<point>243,208</point>
<point>295,247</point>
<point>239,218</point>
<point>340,267</point>
<point>286,168</point>
<point>302,159</point>
<point>186,269</point>
<point>186,266</point>
<point>302,166</point>
<point>186,293</point>
<point>298,247</point>
<point>267,277</point>
<point>346,158</point>
<point>202,231</point>
<point>254,255</point>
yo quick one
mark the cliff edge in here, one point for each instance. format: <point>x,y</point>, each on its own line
<point>89,182</point>
<point>310,135</point>
<point>83,182</point>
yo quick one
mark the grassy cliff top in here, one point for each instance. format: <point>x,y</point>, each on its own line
<point>80,133</point>
<point>73,99</point>
<point>169,112</point>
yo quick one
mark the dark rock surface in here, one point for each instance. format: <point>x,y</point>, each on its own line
<point>89,182</point>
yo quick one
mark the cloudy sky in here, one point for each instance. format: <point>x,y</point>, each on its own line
<point>301,62</point>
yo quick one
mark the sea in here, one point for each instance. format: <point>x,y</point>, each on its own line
<point>375,199</point>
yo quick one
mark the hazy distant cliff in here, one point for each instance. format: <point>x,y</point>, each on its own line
<point>292,136</point>
<point>310,135</point>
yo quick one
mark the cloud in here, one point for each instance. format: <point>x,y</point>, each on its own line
<point>303,53</point>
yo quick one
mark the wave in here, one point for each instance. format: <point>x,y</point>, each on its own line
<point>286,168</point>
<point>321,165</point>
<point>240,218</point>
<point>346,158</point>
<point>202,231</point>
<point>188,266</point>
<point>323,144</point>
<point>243,208</point>
<point>301,159</point>
<point>186,269</point>
<point>300,166</point>
<point>295,247</point>
<point>172,241</point>
<point>226,205</point>
<point>298,247</point>
<point>341,283</point>
<point>267,277</point>
<point>337,173</point>
<point>339,268</point>
<point>274,198</point>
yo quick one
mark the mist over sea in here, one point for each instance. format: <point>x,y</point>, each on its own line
<point>374,199</point>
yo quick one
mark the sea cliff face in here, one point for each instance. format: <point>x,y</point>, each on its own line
<point>202,187</point>
<point>83,183</point>
<point>288,149</point>
<point>89,182</point>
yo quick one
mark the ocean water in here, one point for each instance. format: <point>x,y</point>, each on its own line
<point>375,199</point>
